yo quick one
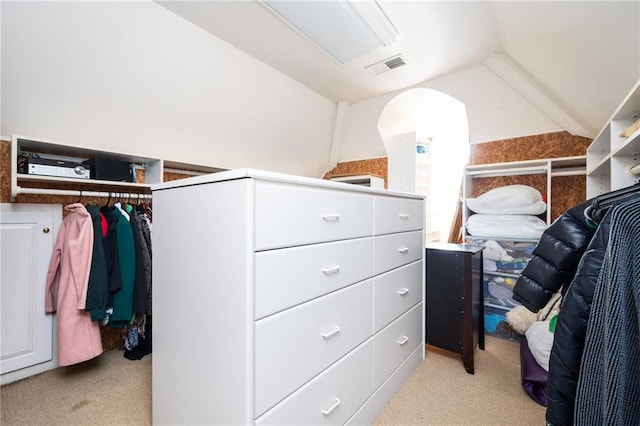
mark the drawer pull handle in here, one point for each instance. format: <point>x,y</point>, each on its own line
<point>403,216</point>
<point>403,250</point>
<point>331,217</point>
<point>333,407</point>
<point>333,270</point>
<point>331,333</point>
<point>404,340</point>
<point>403,291</point>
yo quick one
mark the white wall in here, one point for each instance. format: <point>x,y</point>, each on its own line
<point>134,78</point>
<point>401,164</point>
<point>495,111</point>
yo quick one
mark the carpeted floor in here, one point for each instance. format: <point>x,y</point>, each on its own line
<point>440,392</point>
<point>112,390</point>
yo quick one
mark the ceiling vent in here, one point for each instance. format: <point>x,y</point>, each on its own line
<point>386,65</point>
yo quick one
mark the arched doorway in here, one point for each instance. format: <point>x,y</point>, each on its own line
<point>434,128</point>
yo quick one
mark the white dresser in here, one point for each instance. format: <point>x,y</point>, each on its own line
<point>283,300</point>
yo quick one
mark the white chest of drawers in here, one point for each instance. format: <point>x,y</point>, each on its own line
<point>283,300</point>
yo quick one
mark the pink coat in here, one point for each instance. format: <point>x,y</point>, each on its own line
<point>67,284</point>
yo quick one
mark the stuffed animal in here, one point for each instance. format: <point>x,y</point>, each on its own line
<point>521,318</point>
<point>631,129</point>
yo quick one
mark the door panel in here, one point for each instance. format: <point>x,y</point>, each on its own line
<point>26,241</point>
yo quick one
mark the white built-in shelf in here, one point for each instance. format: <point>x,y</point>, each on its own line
<point>153,167</point>
<point>610,156</point>
<point>555,166</point>
<point>550,167</point>
<point>50,179</point>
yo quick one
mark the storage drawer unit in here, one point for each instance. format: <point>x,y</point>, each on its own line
<point>301,300</point>
<point>504,260</point>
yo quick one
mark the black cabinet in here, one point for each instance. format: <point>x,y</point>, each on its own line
<point>455,311</point>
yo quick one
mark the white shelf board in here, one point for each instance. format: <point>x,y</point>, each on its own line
<point>630,146</point>
<point>39,178</point>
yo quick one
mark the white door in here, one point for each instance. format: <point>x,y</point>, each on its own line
<point>27,233</point>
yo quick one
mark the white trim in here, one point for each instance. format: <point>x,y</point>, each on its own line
<point>524,84</point>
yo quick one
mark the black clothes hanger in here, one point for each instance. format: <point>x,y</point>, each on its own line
<point>613,197</point>
<point>601,204</point>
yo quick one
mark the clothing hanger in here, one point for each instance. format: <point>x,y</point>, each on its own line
<point>589,219</point>
<point>614,197</point>
<point>108,200</point>
<point>128,206</point>
<point>601,204</point>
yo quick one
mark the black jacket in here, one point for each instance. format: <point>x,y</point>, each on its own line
<point>555,258</point>
<point>571,330</point>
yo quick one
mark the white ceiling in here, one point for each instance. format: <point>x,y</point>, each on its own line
<point>582,56</point>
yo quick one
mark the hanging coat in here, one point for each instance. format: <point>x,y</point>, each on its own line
<point>608,390</point>
<point>123,298</point>
<point>143,265</point>
<point>555,259</point>
<point>110,241</point>
<point>98,293</point>
<point>66,288</point>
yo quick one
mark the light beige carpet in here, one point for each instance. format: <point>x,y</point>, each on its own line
<point>441,392</point>
<point>112,390</point>
<point>107,390</point>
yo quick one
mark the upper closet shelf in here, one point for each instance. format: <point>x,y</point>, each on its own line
<point>44,163</point>
<point>629,146</point>
<point>563,166</point>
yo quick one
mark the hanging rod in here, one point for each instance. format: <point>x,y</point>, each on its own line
<point>74,192</point>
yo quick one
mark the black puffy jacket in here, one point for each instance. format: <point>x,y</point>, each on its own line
<point>571,331</point>
<point>555,258</point>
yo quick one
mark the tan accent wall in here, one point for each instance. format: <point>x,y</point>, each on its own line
<point>548,145</point>
<point>373,166</point>
<point>5,171</point>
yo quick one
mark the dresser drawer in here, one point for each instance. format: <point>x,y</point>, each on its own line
<point>331,397</point>
<point>396,250</point>
<point>291,215</point>
<point>395,292</point>
<point>295,345</point>
<point>398,215</point>
<point>395,342</point>
<point>290,276</point>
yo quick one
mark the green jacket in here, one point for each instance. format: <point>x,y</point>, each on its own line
<point>123,299</point>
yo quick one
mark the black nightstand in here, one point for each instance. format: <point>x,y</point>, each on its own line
<point>455,308</point>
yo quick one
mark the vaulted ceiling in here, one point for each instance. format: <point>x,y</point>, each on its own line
<point>576,59</point>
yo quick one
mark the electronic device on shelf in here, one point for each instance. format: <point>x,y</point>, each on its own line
<point>57,168</point>
<point>110,169</point>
